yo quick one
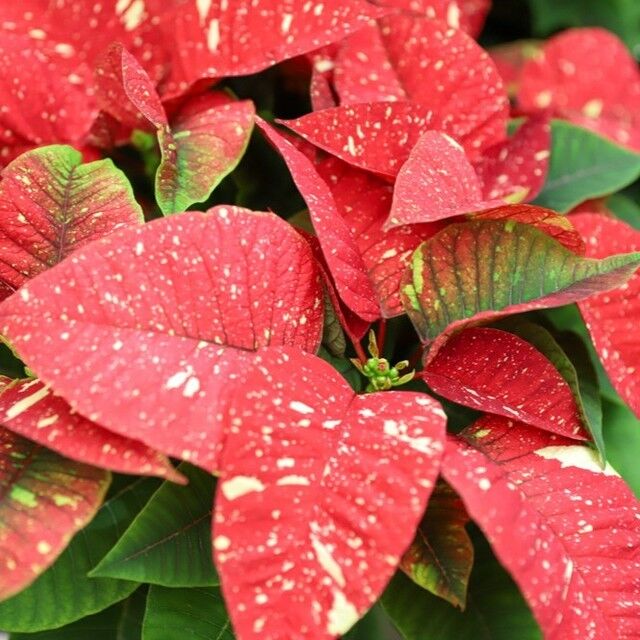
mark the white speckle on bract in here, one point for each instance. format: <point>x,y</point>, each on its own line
<point>300,407</point>
<point>47,422</point>
<point>26,403</point>
<point>43,547</point>
<point>221,543</point>
<point>342,615</point>
<point>484,484</point>
<point>203,7</point>
<point>293,480</point>
<point>134,15</point>
<point>240,486</point>
<point>327,561</point>
<point>213,35</point>
<point>577,456</point>
<point>285,25</point>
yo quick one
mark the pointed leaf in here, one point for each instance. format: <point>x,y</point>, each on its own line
<point>65,593</point>
<point>436,182</point>
<point>565,528</point>
<point>497,372</point>
<point>46,500</point>
<point>584,165</point>
<point>168,543</point>
<point>612,317</point>
<point>29,408</point>
<point>441,555</point>
<point>188,613</point>
<point>495,608</point>
<point>482,269</point>
<point>517,168</point>
<point>51,204</point>
<point>338,246</point>
<point>166,314</point>
<point>208,137</point>
<point>56,108</point>
<point>320,496</point>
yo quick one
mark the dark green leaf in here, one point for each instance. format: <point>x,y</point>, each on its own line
<point>622,437</point>
<point>584,165</point>
<point>122,621</point>
<point>64,593</point>
<point>196,614</point>
<point>169,542</point>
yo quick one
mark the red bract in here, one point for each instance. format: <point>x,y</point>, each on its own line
<point>205,141</point>
<point>142,331</point>
<point>468,15</point>
<point>364,202</point>
<point>320,495</point>
<point>436,182</point>
<point>29,408</point>
<point>565,527</point>
<point>497,372</point>
<point>516,168</point>
<point>45,500</point>
<point>218,38</point>
<point>338,245</point>
<point>612,318</point>
<point>52,204</point>
<point>601,92</point>
<point>56,108</point>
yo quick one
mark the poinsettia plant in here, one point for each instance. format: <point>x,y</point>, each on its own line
<point>318,319</point>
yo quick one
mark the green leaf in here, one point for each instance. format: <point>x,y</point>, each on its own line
<point>197,614</point>
<point>495,609</point>
<point>375,625</point>
<point>333,337</point>
<point>625,208</point>
<point>206,141</point>
<point>482,269</point>
<point>64,593</point>
<point>122,621</point>
<point>620,16</point>
<point>569,355</point>
<point>622,437</point>
<point>584,165</point>
<point>344,367</point>
<point>169,542</point>
<point>441,556</point>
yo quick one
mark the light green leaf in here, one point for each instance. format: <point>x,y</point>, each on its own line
<point>584,165</point>
<point>169,542</point>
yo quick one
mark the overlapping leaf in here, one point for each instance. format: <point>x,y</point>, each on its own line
<point>612,317</point>
<point>169,541</point>
<point>547,507</point>
<point>54,109</point>
<point>440,557</point>
<point>436,182</point>
<point>45,500</point>
<point>51,204</point>
<point>29,408</point>
<point>338,245</point>
<point>477,270</point>
<point>141,331</point>
<point>364,202</point>
<point>320,495</point>
<point>601,91</point>
<point>205,141</point>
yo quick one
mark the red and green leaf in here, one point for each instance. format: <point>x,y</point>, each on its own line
<point>142,331</point>
<point>440,557</point>
<point>436,182</point>
<point>29,409</point>
<point>320,495</point>
<point>565,527</point>
<point>497,372</point>
<point>45,499</point>
<point>51,204</point>
<point>474,271</point>
<point>612,317</point>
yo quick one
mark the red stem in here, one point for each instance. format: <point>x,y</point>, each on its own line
<point>359,351</point>
<point>415,357</point>
<point>382,334</point>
